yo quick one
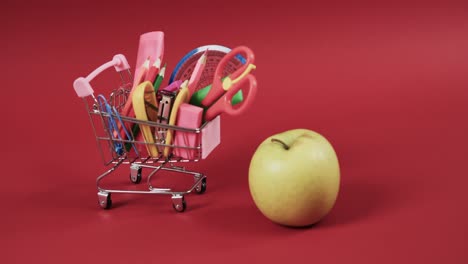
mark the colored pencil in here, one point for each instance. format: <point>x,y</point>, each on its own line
<point>142,73</point>
<point>153,71</point>
<point>160,78</point>
<point>197,73</point>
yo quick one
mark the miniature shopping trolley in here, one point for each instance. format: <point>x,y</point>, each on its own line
<point>119,142</point>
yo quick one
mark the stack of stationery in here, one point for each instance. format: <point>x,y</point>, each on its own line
<point>179,103</point>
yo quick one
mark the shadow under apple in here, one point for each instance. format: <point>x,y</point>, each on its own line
<point>357,201</point>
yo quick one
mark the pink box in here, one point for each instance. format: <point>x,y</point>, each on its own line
<point>190,116</point>
<point>151,45</point>
<point>211,136</point>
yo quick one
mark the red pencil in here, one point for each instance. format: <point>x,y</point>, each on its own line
<point>128,110</point>
<point>142,74</point>
<point>153,71</point>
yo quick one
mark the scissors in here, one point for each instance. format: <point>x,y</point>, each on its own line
<point>222,90</point>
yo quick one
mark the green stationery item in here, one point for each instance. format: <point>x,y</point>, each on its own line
<point>135,131</point>
<point>159,78</point>
<point>199,95</point>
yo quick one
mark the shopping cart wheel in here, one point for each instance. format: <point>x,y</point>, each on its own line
<point>105,200</point>
<point>135,174</point>
<point>178,203</point>
<point>201,188</point>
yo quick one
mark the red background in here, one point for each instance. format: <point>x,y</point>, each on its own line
<point>385,83</point>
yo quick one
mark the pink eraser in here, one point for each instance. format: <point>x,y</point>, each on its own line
<point>188,116</point>
<point>151,45</point>
<point>211,136</point>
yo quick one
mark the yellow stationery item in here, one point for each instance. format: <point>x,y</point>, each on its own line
<point>144,100</point>
<point>182,97</point>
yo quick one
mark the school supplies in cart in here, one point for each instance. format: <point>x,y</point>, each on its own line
<point>146,124</point>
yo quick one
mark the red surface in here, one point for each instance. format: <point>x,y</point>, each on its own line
<point>385,83</point>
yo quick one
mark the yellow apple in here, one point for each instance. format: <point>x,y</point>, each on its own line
<point>294,177</point>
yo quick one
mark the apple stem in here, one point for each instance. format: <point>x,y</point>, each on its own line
<point>286,147</point>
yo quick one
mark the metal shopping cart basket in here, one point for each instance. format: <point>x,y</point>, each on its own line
<point>119,144</point>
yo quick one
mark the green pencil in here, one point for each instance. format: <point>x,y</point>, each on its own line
<point>159,78</point>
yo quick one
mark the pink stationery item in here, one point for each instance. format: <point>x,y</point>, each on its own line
<point>153,71</point>
<point>174,86</point>
<point>144,69</point>
<point>210,136</point>
<point>221,84</point>
<point>151,45</point>
<point>128,109</point>
<point>223,89</point>
<point>188,116</point>
<point>197,73</point>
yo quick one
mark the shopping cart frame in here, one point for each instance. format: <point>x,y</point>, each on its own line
<point>117,148</point>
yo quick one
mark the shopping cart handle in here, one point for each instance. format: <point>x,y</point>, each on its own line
<point>82,85</point>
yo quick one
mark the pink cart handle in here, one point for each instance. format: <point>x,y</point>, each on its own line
<point>82,85</point>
